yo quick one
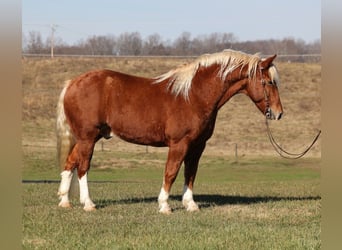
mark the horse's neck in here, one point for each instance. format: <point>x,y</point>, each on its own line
<point>211,92</point>
<point>233,88</point>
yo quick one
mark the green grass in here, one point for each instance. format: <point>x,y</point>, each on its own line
<point>262,203</point>
<point>124,222</point>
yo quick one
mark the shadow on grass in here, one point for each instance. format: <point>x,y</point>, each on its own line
<point>208,200</point>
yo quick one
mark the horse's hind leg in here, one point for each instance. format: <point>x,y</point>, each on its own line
<point>85,152</point>
<point>67,175</point>
<point>191,165</point>
<point>79,158</point>
<point>63,191</point>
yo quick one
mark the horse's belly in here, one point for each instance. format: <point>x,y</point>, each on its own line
<point>139,135</point>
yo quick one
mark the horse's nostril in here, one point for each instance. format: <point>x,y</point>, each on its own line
<point>279,116</point>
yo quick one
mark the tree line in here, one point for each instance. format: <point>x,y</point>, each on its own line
<point>133,44</point>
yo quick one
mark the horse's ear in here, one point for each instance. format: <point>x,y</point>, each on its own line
<point>267,62</point>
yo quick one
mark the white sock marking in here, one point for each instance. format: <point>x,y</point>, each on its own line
<point>84,194</point>
<point>188,200</point>
<point>162,200</point>
<point>64,187</point>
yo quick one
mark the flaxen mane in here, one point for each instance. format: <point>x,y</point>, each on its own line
<point>180,79</point>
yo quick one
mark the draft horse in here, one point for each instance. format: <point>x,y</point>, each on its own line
<point>177,110</point>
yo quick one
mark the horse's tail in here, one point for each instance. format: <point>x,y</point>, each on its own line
<point>65,138</point>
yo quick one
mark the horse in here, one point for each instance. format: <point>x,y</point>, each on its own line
<point>177,110</point>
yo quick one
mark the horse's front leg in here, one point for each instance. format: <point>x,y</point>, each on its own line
<point>191,165</point>
<point>175,158</point>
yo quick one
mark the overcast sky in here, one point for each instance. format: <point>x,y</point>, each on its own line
<point>246,19</point>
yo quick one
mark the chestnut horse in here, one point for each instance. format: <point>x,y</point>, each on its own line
<point>177,110</point>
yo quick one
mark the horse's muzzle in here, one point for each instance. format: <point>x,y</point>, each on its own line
<point>272,116</point>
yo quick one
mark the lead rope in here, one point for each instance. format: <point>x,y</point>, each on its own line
<point>282,152</point>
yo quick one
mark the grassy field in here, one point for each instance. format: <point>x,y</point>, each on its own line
<point>257,201</point>
<point>255,204</point>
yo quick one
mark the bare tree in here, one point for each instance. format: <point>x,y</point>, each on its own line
<point>182,45</point>
<point>101,45</point>
<point>34,43</point>
<point>314,47</point>
<point>227,40</point>
<point>154,45</point>
<point>129,44</point>
<point>132,44</point>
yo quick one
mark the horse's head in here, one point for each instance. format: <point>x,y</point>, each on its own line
<point>263,89</point>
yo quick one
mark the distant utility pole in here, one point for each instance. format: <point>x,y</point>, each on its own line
<point>53,29</point>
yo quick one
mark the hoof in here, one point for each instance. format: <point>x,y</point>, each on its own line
<point>191,206</point>
<point>166,212</point>
<point>165,209</point>
<point>89,209</point>
<point>65,204</point>
<point>193,209</point>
